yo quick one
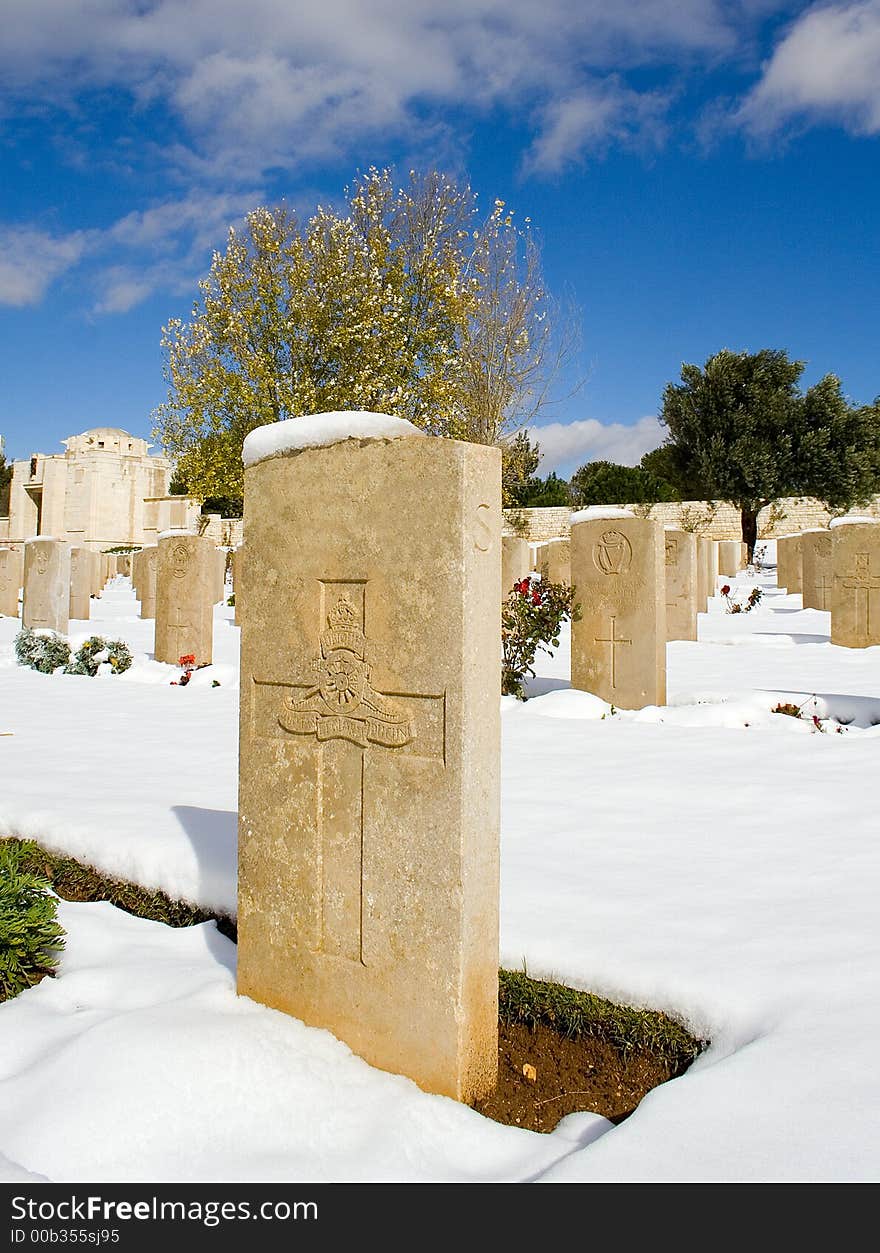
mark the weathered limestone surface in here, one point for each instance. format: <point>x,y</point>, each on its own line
<point>681,585</point>
<point>46,595</point>
<point>80,582</point>
<point>712,568</point>
<point>220,561</point>
<point>730,557</point>
<point>788,563</point>
<point>237,576</point>
<point>186,579</point>
<point>147,580</point>
<point>855,598</point>
<point>370,750</point>
<point>618,648</point>
<point>11,571</point>
<point>817,570</point>
<point>555,559</point>
<point>704,557</point>
<point>515,562</point>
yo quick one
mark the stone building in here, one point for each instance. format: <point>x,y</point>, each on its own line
<point>104,490</point>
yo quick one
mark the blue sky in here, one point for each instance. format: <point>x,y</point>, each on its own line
<point>702,175</point>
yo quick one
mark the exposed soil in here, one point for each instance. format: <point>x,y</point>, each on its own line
<point>570,1075</point>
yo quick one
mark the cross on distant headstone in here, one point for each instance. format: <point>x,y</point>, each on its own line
<point>177,627</point>
<point>618,643</point>
<point>615,642</point>
<point>823,587</point>
<point>186,579</point>
<point>344,721</point>
<point>861,581</point>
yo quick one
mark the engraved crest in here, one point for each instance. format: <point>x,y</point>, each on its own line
<point>179,560</point>
<point>612,554</point>
<point>41,560</point>
<point>342,704</point>
<point>671,551</point>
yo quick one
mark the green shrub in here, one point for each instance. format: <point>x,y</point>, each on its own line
<point>530,619</point>
<point>30,936</point>
<point>95,651</point>
<point>41,650</point>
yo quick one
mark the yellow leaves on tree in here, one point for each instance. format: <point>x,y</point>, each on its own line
<point>407,303</point>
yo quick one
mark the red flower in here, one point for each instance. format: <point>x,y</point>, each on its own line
<point>523,587</point>
<point>188,660</point>
<point>536,598</point>
<point>725,591</point>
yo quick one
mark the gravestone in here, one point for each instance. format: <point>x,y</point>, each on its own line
<point>80,583</point>
<point>515,562</point>
<point>555,561</point>
<point>729,557</point>
<point>817,569</point>
<point>147,580</point>
<point>220,562</point>
<point>855,596</point>
<point>186,579</point>
<point>136,564</point>
<point>237,580</point>
<point>11,569</point>
<point>46,595</point>
<point>788,563</point>
<point>95,568</point>
<point>711,559</point>
<point>704,558</point>
<point>618,648</point>
<point>369,742</point>
<point>540,556</point>
<point>681,585</point>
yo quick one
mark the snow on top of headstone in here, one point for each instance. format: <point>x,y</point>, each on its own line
<point>173,530</point>
<point>316,430</point>
<point>594,512</point>
<point>848,521</point>
<point>41,539</point>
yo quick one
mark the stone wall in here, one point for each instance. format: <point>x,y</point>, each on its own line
<point>227,532</point>
<point>715,519</point>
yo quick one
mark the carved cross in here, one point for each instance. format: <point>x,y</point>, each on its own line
<point>344,724</point>
<point>823,590</point>
<point>863,584</point>
<point>177,629</point>
<point>615,641</point>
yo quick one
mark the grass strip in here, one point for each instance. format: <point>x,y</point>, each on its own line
<point>521,999</point>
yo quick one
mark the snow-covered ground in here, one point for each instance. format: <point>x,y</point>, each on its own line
<point>710,859</point>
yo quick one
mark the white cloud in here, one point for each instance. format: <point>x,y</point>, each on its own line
<point>162,247</point>
<point>826,68</point>
<point>587,119</point>
<point>30,259</point>
<point>270,83</point>
<point>567,445</point>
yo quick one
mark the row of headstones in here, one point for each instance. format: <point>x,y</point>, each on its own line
<point>177,581</point>
<point>57,581</point>
<point>837,570</point>
<point>638,586</point>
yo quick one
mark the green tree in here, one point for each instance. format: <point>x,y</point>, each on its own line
<point>409,302</point>
<point>741,427</point>
<point>607,483</point>
<point>5,480</point>
<point>547,493</point>
<point>661,463</point>
<point>519,461</point>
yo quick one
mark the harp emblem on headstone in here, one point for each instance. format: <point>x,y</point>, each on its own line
<point>612,553</point>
